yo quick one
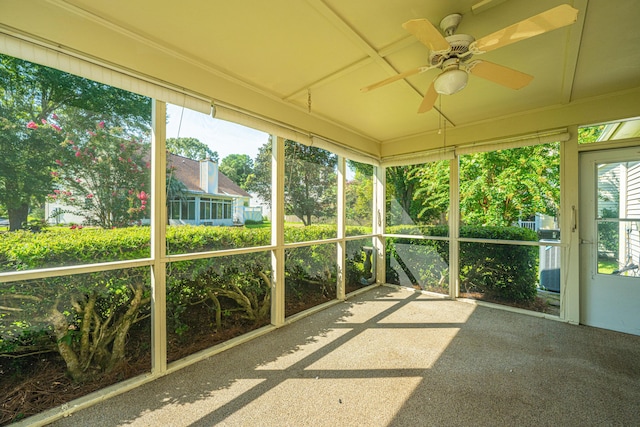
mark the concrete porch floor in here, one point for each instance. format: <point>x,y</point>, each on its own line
<point>397,358</point>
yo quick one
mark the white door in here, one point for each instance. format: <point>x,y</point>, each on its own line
<point>610,240</point>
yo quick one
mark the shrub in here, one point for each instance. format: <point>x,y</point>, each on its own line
<point>88,317</point>
<point>502,272</point>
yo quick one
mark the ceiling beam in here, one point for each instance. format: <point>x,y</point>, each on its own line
<point>574,39</point>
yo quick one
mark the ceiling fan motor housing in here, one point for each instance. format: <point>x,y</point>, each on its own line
<point>459,48</point>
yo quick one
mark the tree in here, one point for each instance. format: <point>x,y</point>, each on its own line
<point>499,187</point>
<point>496,188</point>
<point>104,177</point>
<point>260,180</point>
<point>24,178</point>
<point>191,148</point>
<point>589,133</point>
<point>310,180</point>
<point>401,187</point>
<point>237,167</point>
<point>432,193</point>
<point>359,197</point>
<point>32,94</point>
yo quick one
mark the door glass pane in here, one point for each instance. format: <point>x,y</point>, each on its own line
<point>618,218</point>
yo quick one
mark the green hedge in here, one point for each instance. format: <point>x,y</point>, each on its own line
<point>500,271</point>
<point>57,246</point>
<point>87,318</point>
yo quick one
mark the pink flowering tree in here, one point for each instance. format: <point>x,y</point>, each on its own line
<point>104,176</point>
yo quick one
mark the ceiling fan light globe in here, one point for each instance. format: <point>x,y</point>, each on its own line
<point>451,81</point>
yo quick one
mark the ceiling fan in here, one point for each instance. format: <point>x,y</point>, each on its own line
<point>452,52</point>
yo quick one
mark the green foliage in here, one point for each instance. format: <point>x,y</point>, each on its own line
<point>310,180</point>
<point>34,100</point>
<point>609,233</point>
<point>432,193</point>
<point>496,188</point>
<point>359,196</point>
<point>402,206</point>
<point>499,187</point>
<point>237,167</point>
<point>103,177</point>
<point>23,250</point>
<point>588,134</point>
<point>191,148</point>
<point>191,238</point>
<point>423,262</point>
<point>87,318</point>
<point>500,271</point>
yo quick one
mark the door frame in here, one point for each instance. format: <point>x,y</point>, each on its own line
<point>592,282</point>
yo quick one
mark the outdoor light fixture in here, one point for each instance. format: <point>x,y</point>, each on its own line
<point>451,81</point>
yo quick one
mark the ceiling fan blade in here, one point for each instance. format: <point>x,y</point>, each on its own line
<point>394,78</point>
<point>552,19</point>
<point>427,34</point>
<point>499,74</point>
<point>429,99</point>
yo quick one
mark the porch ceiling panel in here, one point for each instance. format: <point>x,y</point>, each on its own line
<point>609,54</point>
<point>274,54</point>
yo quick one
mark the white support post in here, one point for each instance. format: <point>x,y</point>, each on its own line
<point>569,236</point>
<point>277,231</point>
<point>454,227</point>
<point>379,221</point>
<point>158,240</point>
<point>342,245</point>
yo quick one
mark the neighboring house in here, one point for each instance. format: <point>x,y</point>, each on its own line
<point>619,193</point>
<point>212,198</point>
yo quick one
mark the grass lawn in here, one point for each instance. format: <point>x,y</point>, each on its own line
<point>607,266</point>
<point>264,224</point>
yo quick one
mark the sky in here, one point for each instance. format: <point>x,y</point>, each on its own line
<point>221,136</point>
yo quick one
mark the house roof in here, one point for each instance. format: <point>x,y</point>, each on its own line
<point>188,172</point>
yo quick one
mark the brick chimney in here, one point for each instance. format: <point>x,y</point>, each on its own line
<point>209,176</point>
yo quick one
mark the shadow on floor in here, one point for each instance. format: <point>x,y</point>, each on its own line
<point>393,358</point>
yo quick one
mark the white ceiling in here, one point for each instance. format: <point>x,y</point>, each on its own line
<point>315,55</point>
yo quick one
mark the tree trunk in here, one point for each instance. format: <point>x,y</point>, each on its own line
<point>119,342</point>
<point>17,216</point>
<point>61,330</point>
<point>216,302</point>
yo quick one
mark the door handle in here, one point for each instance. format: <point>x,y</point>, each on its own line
<point>586,242</point>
